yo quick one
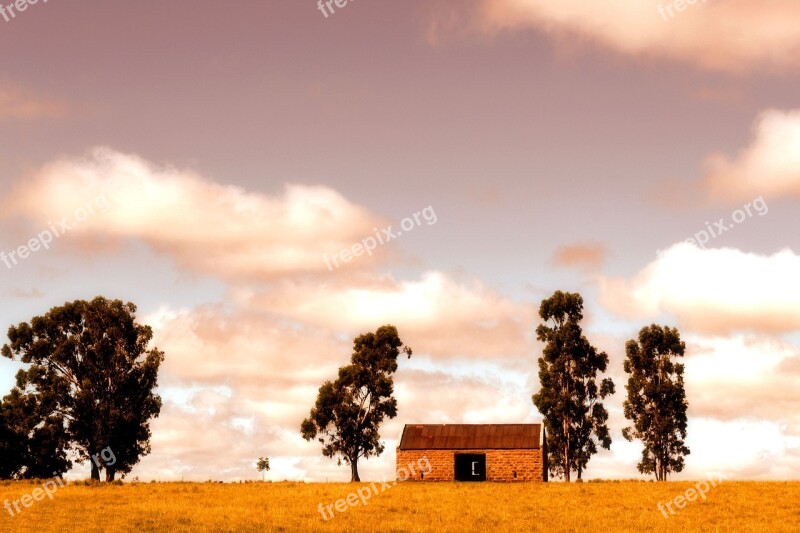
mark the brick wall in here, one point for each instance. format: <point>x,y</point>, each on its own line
<point>500,464</point>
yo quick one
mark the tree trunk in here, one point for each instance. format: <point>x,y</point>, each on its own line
<point>565,425</point>
<point>95,471</point>
<point>354,470</point>
<point>110,474</point>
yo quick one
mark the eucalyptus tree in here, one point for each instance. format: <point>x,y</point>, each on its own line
<point>569,398</point>
<point>349,411</point>
<point>656,403</point>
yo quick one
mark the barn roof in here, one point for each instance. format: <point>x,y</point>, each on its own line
<point>470,437</point>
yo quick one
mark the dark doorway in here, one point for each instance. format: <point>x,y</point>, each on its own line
<point>470,467</point>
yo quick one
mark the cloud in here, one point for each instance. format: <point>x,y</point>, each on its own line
<point>435,314</point>
<point>18,105</point>
<point>719,94</point>
<point>734,35</point>
<point>32,293</point>
<point>587,256</point>
<point>206,227</point>
<point>210,346</point>
<point>267,248</point>
<point>712,291</point>
<point>769,166</point>
<point>212,435</point>
<point>729,378</point>
<point>744,448</point>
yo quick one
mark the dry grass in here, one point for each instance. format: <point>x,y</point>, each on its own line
<point>606,507</point>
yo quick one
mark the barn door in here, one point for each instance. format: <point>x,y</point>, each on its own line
<point>470,467</point>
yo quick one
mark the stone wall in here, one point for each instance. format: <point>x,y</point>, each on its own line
<point>501,465</point>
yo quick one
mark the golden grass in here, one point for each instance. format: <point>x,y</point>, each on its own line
<point>606,507</point>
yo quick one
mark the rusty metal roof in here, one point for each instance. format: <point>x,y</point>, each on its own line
<point>470,437</point>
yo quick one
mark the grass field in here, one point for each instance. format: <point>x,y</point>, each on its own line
<point>463,507</point>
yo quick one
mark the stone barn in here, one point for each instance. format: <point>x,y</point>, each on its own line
<point>474,452</point>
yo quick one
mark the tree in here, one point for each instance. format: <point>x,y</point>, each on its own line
<point>349,411</point>
<point>91,368</point>
<point>33,439</point>
<point>569,395</point>
<point>656,401</point>
<point>263,465</point>
<point>12,444</point>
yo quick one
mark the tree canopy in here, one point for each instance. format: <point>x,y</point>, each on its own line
<point>262,465</point>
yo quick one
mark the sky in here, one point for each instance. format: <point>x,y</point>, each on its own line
<point>211,161</point>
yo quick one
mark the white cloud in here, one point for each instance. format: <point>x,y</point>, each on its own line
<point>728,378</point>
<point>210,228</point>
<point>435,314</point>
<point>769,166</point>
<point>712,290</point>
<point>741,449</point>
<point>732,35</point>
